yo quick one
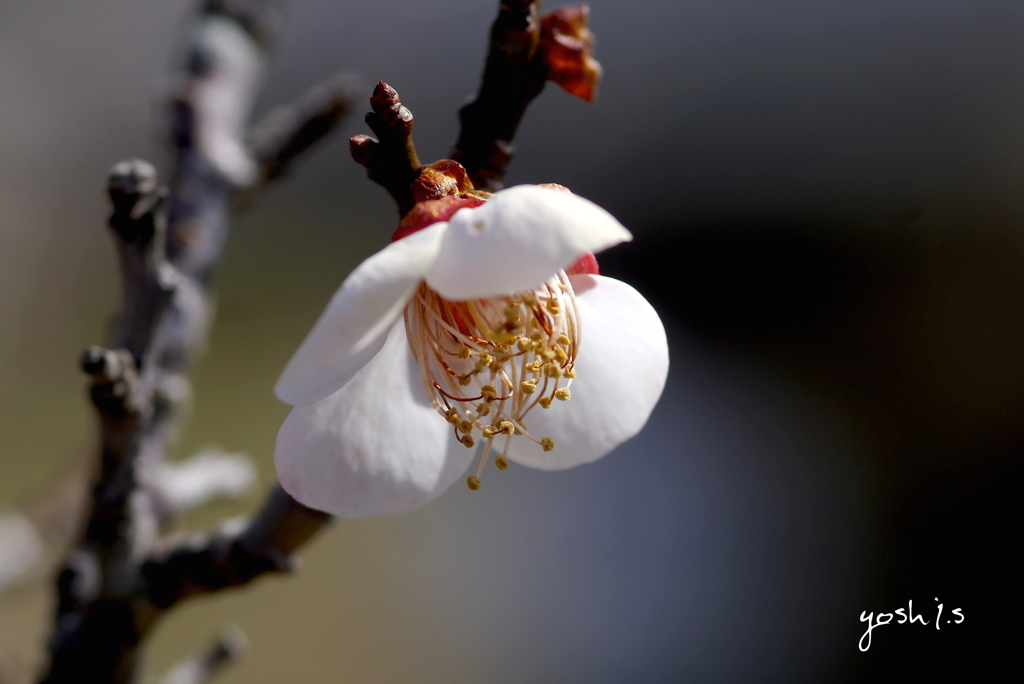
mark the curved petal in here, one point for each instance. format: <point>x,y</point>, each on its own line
<point>621,370</point>
<point>374,447</point>
<point>355,323</point>
<point>517,240</point>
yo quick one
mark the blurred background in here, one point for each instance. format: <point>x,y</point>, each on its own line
<point>826,198</point>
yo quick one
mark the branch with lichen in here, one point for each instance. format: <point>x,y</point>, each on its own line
<point>123,574</point>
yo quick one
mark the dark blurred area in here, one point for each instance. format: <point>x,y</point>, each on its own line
<point>827,209</point>
<point>913,340</point>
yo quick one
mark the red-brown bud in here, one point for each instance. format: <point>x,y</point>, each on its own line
<point>361,147</point>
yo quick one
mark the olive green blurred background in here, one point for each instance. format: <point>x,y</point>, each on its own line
<point>827,204</point>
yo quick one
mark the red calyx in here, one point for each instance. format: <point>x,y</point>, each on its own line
<point>427,213</point>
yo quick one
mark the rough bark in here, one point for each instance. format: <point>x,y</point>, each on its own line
<point>122,575</point>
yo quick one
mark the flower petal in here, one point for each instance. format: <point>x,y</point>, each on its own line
<point>355,323</point>
<point>374,447</point>
<point>517,240</point>
<point>621,369</point>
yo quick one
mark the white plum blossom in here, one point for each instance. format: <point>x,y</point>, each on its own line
<point>486,334</point>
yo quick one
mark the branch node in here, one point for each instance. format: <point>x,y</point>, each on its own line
<point>115,380</point>
<point>134,191</point>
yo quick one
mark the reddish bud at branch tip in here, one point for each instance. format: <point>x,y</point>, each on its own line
<point>385,102</point>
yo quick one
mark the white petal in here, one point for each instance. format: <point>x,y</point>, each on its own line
<point>517,240</point>
<point>621,369</point>
<point>374,447</point>
<point>356,321</point>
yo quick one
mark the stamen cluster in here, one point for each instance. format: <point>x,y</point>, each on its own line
<point>486,363</point>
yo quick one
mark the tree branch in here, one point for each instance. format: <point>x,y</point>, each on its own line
<point>513,77</point>
<point>120,578</point>
<point>525,52</point>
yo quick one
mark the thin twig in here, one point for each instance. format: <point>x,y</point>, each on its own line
<point>287,132</point>
<point>390,160</point>
<point>526,50</point>
<point>513,77</point>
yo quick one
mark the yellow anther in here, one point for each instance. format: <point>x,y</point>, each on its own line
<point>473,482</point>
<point>500,462</point>
<point>490,334</point>
<point>546,443</point>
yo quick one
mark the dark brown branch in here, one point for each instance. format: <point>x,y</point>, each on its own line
<point>120,578</point>
<point>513,77</point>
<point>232,556</point>
<point>525,52</point>
<point>391,159</point>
